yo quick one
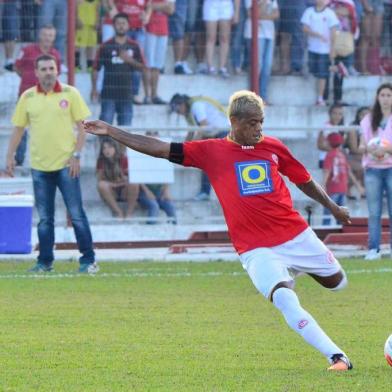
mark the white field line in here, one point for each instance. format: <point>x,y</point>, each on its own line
<point>159,274</point>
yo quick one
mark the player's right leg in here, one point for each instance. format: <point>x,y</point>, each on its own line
<point>271,277</point>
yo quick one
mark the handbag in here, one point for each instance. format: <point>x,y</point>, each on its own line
<point>344,43</point>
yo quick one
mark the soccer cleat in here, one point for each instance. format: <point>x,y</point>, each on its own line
<point>39,267</point>
<point>90,268</point>
<point>340,363</point>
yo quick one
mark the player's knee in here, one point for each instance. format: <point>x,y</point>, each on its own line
<point>341,284</point>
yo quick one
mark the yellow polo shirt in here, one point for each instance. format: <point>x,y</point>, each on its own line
<point>51,118</point>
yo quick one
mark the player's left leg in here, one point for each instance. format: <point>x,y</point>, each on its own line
<point>306,253</point>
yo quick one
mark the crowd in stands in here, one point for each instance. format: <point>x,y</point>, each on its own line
<point>342,37</point>
<point>124,44</point>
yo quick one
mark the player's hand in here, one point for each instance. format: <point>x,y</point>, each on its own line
<point>97,127</point>
<point>341,214</point>
<point>10,166</point>
<point>74,167</point>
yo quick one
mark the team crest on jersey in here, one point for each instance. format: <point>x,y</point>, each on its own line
<point>254,177</point>
<point>63,104</point>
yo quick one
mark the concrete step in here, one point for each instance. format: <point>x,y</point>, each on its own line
<point>283,90</point>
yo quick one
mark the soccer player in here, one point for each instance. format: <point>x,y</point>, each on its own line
<point>273,240</point>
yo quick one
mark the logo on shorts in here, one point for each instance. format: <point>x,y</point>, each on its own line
<point>63,104</point>
<point>330,257</point>
<point>254,177</point>
<point>303,323</point>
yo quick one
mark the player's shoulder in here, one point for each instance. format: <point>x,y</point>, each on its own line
<point>29,93</point>
<point>273,141</point>
<point>68,89</point>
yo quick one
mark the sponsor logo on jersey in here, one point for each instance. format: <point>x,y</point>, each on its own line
<point>63,104</point>
<point>254,177</point>
<point>303,323</point>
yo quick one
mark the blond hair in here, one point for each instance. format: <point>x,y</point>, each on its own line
<point>241,102</point>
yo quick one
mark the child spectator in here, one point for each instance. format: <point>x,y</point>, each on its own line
<point>155,48</point>
<point>337,173</point>
<point>320,24</point>
<point>219,13</point>
<point>86,31</point>
<point>343,44</point>
<point>154,197</point>
<point>112,176</point>
<point>268,12</point>
<point>336,118</point>
<point>354,155</point>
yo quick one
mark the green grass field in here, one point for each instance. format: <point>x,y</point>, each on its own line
<point>184,327</point>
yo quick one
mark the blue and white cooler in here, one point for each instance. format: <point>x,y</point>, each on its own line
<point>16,219</point>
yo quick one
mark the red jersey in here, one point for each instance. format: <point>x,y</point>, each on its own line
<point>133,8</point>
<point>25,65</point>
<point>336,162</point>
<point>247,180</point>
<point>159,22</point>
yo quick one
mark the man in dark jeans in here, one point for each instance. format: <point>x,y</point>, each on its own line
<point>119,57</point>
<point>51,110</point>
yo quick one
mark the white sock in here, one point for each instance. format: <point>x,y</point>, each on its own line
<point>303,323</point>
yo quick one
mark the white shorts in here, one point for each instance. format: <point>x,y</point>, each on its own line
<point>155,50</point>
<point>215,10</point>
<point>303,254</point>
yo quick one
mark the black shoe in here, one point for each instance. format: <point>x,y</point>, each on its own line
<point>9,67</point>
<point>179,69</point>
<point>158,101</point>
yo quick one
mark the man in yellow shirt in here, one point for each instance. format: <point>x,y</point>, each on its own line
<point>50,110</point>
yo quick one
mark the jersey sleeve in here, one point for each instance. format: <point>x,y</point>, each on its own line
<point>20,117</point>
<point>290,167</point>
<point>79,109</point>
<point>189,153</point>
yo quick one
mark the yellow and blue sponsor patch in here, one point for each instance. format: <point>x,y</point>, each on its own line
<point>254,177</point>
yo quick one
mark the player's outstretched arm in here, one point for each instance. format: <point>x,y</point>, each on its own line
<point>144,144</point>
<point>315,191</point>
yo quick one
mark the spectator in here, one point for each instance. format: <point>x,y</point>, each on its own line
<point>28,20</point>
<point>354,155</point>
<point>219,14</point>
<point>53,12</point>
<point>154,197</point>
<point>118,56</point>
<point>386,38</point>
<point>139,13</point>
<point>86,31</point>
<point>25,68</point>
<point>55,158</point>
<point>179,23</point>
<point>376,145</point>
<point>336,174</point>
<point>291,37</point>
<point>10,21</point>
<point>203,112</point>
<point>369,44</point>
<point>112,176</point>
<point>268,12</point>
<point>344,44</point>
<point>156,46</point>
<point>239,52</point>
<point>319,24</point>
<point>198,29</point>
<point>336,118</point>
